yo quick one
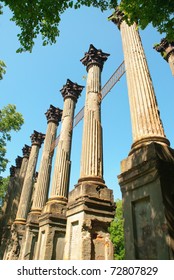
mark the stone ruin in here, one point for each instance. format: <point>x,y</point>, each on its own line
<point>34,226</point>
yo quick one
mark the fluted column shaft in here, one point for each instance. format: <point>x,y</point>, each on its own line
<point>146,123</point>
<point>60,184</point>
<point>43,180</point>
<point>92,158</point>
<point>28,181</point>
<point>27,186</point>
<point>92,147</point>
<point>62,162</point>
<point>23,169</point>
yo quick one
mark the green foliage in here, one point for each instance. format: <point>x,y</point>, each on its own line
<point>43,17</point>
<point>2,69</point>
<point>10,120</point>
<point>117,232</point>
<point>36,17</point>
<point>4,182</point>
<point>159,13</point>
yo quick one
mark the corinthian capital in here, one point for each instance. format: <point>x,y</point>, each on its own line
<point>18,162</point>
<point>53,114</point>
<point>71,90</point>
<point>12,170</point>
<point>117,17</point>
<point>166,48</point>
<point>94,57</point>
<point>37,138</point>
<point>26,151</point>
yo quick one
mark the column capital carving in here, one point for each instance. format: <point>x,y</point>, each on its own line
<point>94,57</point>
<point>71,90</point>
<point>26,151</point>
<point>18,161</point>
<point>53,114</point>
<point>12,171</point>
<point>37,138</point>
<point>117,17</point>
<point>165,47</point>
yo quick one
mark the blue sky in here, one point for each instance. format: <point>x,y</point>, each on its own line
<point>33,82</point>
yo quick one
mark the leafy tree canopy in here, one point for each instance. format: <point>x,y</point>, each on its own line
<point>159,13</point>
<point>10,120</point>
<point>117,232</point>
<point>43,16</point>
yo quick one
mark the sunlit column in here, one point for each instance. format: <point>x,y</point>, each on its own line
<point>146,122</point>
<point>53,116</point>
<point>59,191</point>
<point>92,147</point>
<point>37,139</point>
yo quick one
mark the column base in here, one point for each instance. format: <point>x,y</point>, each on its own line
<point>147,140</point>
<point>20,221</point>
<point>52,228</point>
<point>92,180</point>
<point>90,210</point>
<point>147,185</point>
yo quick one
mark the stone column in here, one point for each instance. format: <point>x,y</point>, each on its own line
<point>60,185</point>
<point>90,205</point>
<point>21,165</point>
<point>35,179</point>
<point>167,52</point>
<point>16,192</point>
<point>26,153</point>
<point>52,221</point>
<point>147,174</point>
<point>18,227</point>
<point>10,206</point>
<point>145,117</point>
<point>37,139</point>
<point>40,195</point>
<point>53,116</point>
<point>92,156</point>
<point>18,161</point>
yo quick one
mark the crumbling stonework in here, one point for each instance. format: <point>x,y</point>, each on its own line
<point>147,174</point>
<point>91,202</point>
<point>37,139</point>
<point>10,205</point>
<point>90,210</point>
<point>74,226</point>
<point>52,222</point>
<point>13,244</point>
<point>40,193</point>
<point>147,181</point>
<point>25,198</point>
<point>52,226</point>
